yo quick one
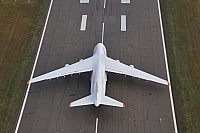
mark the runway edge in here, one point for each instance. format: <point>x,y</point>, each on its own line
<point>167,68</point>
<point>33,70</point>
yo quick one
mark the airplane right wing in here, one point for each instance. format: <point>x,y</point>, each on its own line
<point>79,67</point>
<point>120,68</point>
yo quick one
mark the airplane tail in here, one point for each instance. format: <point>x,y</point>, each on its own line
<point>88,101</point>
<point>83,101</point>
<point>111,102</point>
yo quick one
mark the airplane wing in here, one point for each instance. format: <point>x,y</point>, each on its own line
<point>120,68</point>
<point>79,67</point>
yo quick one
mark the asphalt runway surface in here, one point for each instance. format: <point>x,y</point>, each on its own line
<point>148,108</point>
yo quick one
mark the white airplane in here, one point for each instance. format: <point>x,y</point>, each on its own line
<point>99,64</point>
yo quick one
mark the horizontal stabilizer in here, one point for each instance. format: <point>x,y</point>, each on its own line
<point>88,100</point>
<point>111,102</point>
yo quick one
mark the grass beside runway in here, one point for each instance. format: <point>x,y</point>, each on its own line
<point>181,20</point>
<point>21,25</point>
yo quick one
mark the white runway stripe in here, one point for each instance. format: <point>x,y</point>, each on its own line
<point>123,22</point>
<point>125,1</point>
<point>104,4</point>
<point>167,68</point>
<point>102,33</point>
<point>34,66</point>
<point>83,22</point>
<point>96,125</point>
<point>84,1</point>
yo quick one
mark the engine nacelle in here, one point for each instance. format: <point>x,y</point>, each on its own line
<point>80,60</point>
<point>66,65</point>
<point>131,66</point>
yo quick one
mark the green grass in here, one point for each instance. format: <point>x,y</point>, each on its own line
<point>20,29</point>
<point>181,19</point>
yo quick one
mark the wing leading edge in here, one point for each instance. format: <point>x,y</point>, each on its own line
<point>79,67</point>
<point>120,68</point>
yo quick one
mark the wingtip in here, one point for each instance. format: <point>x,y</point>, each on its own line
<point>168,83</point>
<point>28,82</point>
<point>70,105</point>
<point>124,105</point>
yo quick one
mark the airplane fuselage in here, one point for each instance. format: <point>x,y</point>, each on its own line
<point>99,76</point>
<point>98,64</point>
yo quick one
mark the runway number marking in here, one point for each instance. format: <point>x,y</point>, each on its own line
<point>83,22</point>
<point>84,1</point>
<point>123,22</point>
<point>125,1</point>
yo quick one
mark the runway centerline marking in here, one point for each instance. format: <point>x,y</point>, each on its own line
<point>96,125</point>
<point>84,1</point>
<point>123,22</point>
<point>125,1</point>
<point>28,88</point>
<point>83,22</point>
<point>104,4</point>
<point>102,33</point>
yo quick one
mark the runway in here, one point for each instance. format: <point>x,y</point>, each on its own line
<point>132,35</point>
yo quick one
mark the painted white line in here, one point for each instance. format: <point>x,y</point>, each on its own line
<point>167,68</point>
<point>125,1</point>
<point>123,22</point>
<point>83,22</point>
<point>84,1</point>
<point>102,35</point>
<point>104,4</point>
<point>26,95</point>
<point>96,125</point>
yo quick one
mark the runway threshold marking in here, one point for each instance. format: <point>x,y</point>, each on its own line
<point>96,125</point>
<point>84,1</point>
<point>102,33</point>
<point>167,68</point>
<point>33,70</point>
<point>125,1</point>
<point>123,22</point>
<point>83,22</point>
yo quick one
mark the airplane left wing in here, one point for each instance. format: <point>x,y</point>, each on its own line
<point>120,68</point>
<point>79,67</point>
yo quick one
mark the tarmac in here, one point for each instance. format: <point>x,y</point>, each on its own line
<point>148,107</point>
